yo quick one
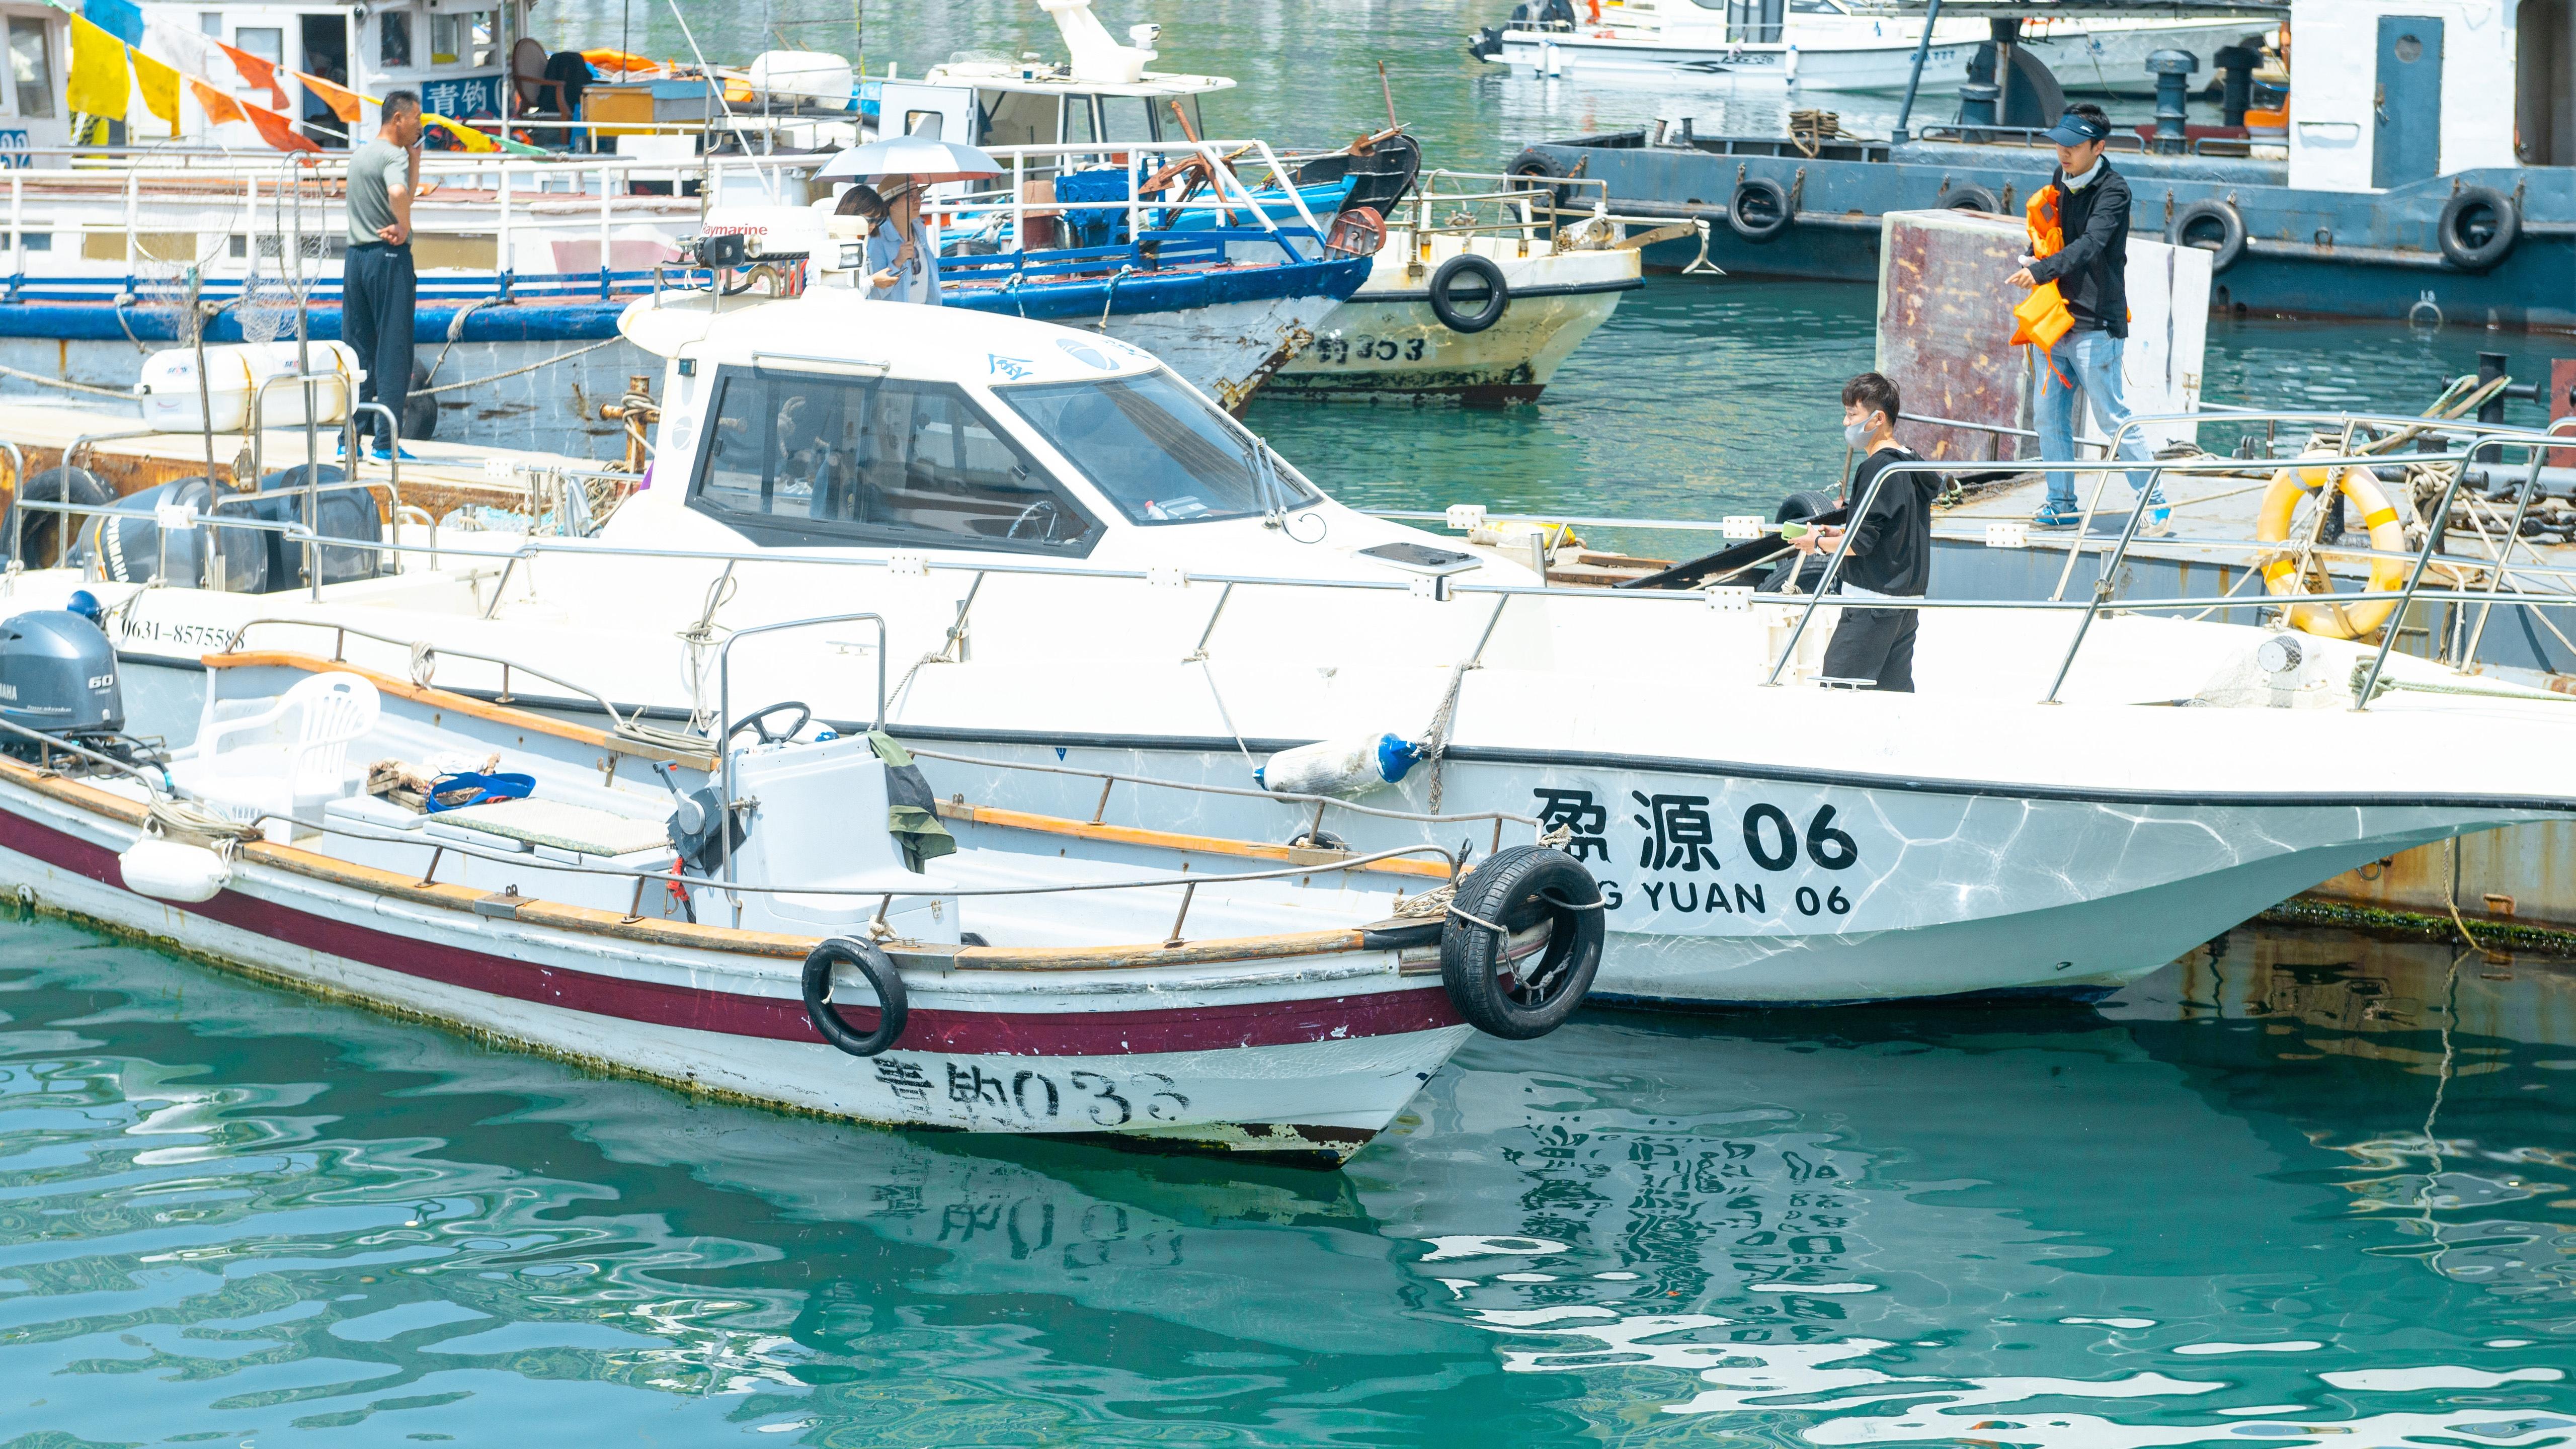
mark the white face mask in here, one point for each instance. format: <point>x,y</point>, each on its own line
<point>1857,434</point>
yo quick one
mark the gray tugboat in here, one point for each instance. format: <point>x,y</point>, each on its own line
<point>2420,164</point>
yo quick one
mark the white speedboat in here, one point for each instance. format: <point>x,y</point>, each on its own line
<point>1841,45</point>
<point>1088,571</point>
<point>688,909</point>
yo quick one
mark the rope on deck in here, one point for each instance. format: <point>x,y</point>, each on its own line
<point>516,371</point>
<point>123,394</point>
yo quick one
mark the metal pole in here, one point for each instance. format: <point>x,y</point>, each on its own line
<point>214,574</point>
<point>1898,134</point>
<point>2110,570</point>
<point>2432,541</point>
<point>1833,569</point>
<point>2504,553</point>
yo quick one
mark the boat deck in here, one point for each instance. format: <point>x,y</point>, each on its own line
<point>439,477</point>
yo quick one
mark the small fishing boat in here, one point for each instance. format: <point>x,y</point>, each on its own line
<point>769,912</point>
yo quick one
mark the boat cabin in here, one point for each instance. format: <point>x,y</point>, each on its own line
<point>1101,93</point>
<point>468,59</point>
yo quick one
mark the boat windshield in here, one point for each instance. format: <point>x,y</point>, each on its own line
<point>1161,452</point>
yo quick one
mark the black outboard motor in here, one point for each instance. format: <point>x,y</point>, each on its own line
<point>58,678</point>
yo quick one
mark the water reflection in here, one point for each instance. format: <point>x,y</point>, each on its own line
<point>2306,1182</point>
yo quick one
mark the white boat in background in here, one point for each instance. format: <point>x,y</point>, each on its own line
<point>1090,574</point>
<point>1478,295</point>
<point>576,893</point>
<point>1836,45</point>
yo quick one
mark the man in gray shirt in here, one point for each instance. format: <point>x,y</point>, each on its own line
<point>378,288</point>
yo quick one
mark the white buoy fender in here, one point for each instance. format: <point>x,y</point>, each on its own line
<point>1346,768</point>
<point>169,871</point>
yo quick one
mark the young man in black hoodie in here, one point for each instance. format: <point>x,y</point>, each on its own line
<point>1888,548</point>
<point>2092,273</point>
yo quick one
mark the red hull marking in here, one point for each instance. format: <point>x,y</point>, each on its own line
<point>729,1013</point>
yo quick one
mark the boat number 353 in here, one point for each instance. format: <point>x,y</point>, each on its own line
<point>1368,349</point>
<point>1682,850</point>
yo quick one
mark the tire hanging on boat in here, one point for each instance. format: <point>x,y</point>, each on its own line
<point>1515,890</point>
<point>1759,209</point>
<point>1498,294</point>
<point>1973,198</point>
<point>2478,229</point>
<point>892,1010</point>
<point>2230,247</point>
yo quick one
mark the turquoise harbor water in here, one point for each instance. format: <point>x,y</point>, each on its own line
<point>2307,1191</point>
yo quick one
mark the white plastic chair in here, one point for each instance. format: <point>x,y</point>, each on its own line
<point>303,760</point>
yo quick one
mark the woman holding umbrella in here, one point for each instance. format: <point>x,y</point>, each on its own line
<point>902,258</point>
<point>902,264</point>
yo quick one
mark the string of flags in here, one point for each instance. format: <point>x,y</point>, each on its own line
<point>113,79</point>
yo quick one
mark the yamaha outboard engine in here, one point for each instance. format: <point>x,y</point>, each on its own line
<point>58,679</point>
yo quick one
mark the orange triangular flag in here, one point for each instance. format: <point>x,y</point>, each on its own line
<point>256,71</point>
<point>218,107</point>
<point>342,100</point>
<point>276,130</point>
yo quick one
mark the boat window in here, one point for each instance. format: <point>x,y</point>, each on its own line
<point>1161,452</point>
<point>1190,107</point>
<point>31,66</point>
<point>1077,120</point>
<point>793,459</point>
<point>1018,118</point>
<point>461,39</point>
<point>393,40</point>
<point>1126,118</point>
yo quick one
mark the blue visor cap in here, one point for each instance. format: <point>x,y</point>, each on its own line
<point>2074,130</point>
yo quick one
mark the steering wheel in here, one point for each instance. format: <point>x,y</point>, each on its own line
<point>758,723</point>
<point>1044,508</point>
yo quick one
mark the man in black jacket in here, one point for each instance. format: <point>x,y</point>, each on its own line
<point>1889,548</point>
<point>2091,273</point>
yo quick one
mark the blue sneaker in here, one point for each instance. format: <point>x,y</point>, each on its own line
<point>2053,514</point>
<point>381,456</point>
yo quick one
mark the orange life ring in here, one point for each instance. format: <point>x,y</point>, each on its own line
<point>2281,577</point>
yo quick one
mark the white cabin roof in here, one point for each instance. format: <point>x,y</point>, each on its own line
<point>1041,78</point>
<point>832,327</point>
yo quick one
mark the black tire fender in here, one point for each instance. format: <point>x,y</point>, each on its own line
<point>1516,889</point>
<point>1535,162</point>
<point>1759,209</point>
<point>77,486</point>
<point>892,1010</point>
<point>1802,505</point>
<point>420,409</point>
<point>2458,249</point>
<point>1972,197</point>
<point>2231,230</point>
<point>1498,296</point>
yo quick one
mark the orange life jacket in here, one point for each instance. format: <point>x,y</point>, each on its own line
<point>2042,319</point>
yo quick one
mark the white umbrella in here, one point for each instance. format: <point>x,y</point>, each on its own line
<point>923,159</point>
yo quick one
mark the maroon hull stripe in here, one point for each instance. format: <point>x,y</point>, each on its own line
<point>971,1033</point>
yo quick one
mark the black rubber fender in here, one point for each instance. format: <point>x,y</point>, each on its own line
<point>1537,163</point>
<point>1802,505</point>
<point>1498,296</point>
<point>1516,889</point>
<point>1972,197</point>
<point>77,486</point>
<point>2461,247</point>
<point>420,409</point>
<point>1759,209</point>
<point>892,1010</point>
<point>2231,230</point>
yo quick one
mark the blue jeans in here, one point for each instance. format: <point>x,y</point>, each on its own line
<point>2091,361</point>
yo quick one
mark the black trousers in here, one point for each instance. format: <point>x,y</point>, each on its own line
<point>1874,644</point>
<point>378,291</point>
